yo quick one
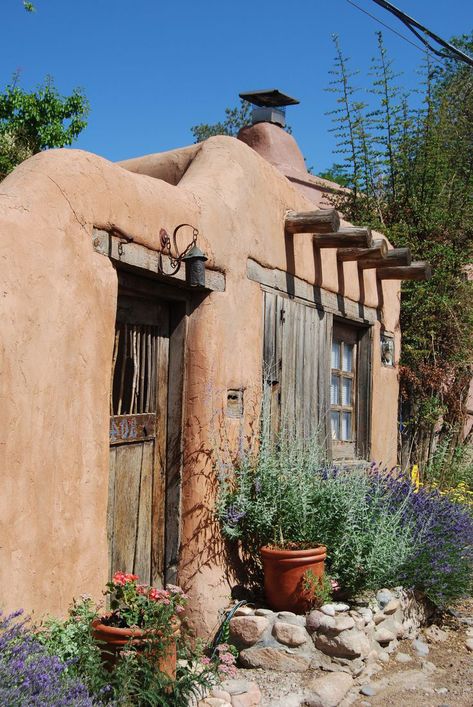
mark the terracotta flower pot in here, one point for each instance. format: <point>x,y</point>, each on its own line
<point>114,639</point>
<point>284,572</point>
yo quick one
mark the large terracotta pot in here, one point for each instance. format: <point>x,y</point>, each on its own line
<point>114,639</point>
<point>284,572</point>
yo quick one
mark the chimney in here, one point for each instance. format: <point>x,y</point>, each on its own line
<point>269,106</point>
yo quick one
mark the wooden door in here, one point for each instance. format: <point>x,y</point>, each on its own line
<point>138,430</point>
<point>296,366</point>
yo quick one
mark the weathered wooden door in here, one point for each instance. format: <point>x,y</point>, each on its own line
<point>296,366</point>
<point>138,429</point>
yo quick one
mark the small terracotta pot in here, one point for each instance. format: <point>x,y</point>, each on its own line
<point>114,639</point>
<point>284,576</point>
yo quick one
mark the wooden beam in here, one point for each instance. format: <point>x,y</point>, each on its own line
<point>345,238</point>
<point>321,221</point>
<point>419,270</point>
<point>139,256</point>
<point>378,250</point>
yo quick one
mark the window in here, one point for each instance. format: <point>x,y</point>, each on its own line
<point>348,403</point>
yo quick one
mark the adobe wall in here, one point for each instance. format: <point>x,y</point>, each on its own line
<point>57,308</point>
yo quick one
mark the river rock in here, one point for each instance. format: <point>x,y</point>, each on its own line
<point>289,634</point>
<point>366,613</point>
<point>263,612</point>
<point>383,597</point>
<point>420,647</point>
<point>317,621</point>
<point>348,644</point>
<point>328,691</point>
<point>250,698</point>
<point>244,611</point>
<point>403,658</point>
<point>469,644</point>
<point>435,634</point>
<point>339,606</point>
<point>368,690</point>
<point>247,630</point>
<point>344,623</point>
<point>383,635</point>
<point>392,606</point>
<point>269,658</point>
<point>328,609</point>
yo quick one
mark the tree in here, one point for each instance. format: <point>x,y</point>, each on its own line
<point>410,173</point>
<point>31,122</point>
<point>235,119</point>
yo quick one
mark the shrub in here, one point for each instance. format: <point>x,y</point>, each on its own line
<point>379,530</point>
<point>29,675</point>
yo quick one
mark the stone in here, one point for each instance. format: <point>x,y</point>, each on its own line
<point>383,597</point>
<point>392,606</point>
<point>366,613</point>
<point>341,607</point>
<point>264,612</point>
<point>250,698</point>
<point>244,611</point>
<point>317,621</point>
<point>235,687</point>
<point>435,634</point>
<point>383,635</point>
<point>220,694</point>
<point>403,658</point>
<point>441,690</point>
<point>286,614</point>
<point>247,630</point>
<point>289,634</point>
<point>328,609</point>
<point>348,644</point>
<point>270,658</point>
<point>383,656</point>
<point>469,644</point>
<point>420,647</point>
<point>379,617</point>
<point>214,702</point>
<point>428,667</point>
<point>368,690</point>
<point>329,690</point>
<point>344,623</point>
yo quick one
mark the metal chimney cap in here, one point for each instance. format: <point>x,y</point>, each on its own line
<point>268,98</point>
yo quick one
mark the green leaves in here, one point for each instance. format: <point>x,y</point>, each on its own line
<point>31,122</point>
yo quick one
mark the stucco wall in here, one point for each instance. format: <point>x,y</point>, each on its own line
<point>57,308</point>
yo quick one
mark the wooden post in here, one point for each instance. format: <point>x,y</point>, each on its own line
<point>345,238</point>
<point>378,251</point>
<point>419,270</point>
<point>321,221</point>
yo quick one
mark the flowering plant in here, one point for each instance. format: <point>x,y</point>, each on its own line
<point>223,660</point>
<point>136,605</point>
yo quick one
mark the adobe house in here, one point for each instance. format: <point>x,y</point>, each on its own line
<point>120,358</point>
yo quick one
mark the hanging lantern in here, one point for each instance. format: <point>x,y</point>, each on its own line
<point>195,267</point>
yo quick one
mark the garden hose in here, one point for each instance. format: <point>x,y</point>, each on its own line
<point>224,623</point>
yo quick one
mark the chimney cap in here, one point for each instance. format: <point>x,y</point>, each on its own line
<point>268,98</point>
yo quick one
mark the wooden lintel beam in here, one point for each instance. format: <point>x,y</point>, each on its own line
<point>321,221</point>
<point>419,270</point>
<point>378,251</point>
<point>345,238</point>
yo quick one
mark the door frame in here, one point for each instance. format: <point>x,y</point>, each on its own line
<point>181,303</point>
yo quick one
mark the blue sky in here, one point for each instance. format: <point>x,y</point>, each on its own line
<point>151,69</point>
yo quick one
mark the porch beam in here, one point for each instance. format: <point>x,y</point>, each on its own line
<point>378,251</point>
<point>345,238</point>
<point>419,270</point>
<point>321,221</point>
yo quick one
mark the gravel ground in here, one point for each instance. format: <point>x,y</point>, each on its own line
<point>443,679</point>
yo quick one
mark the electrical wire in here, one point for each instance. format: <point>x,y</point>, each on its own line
<point>391,29</point>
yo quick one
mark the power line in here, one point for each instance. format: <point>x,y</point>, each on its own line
<point>391,29</point>
<point>412,25</point>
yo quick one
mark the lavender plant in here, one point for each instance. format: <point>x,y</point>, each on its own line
<point>29,675</point>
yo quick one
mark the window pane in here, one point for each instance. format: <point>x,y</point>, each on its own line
<point>347,364</point>
<point>346,391</point>
<point>346,426</point>
<point>335,425</point>
<point>335,354</point>
<point>335,390</point>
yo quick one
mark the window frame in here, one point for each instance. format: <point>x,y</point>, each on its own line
<point>348,332</point>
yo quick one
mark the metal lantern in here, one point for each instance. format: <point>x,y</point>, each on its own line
<point>195,267</point>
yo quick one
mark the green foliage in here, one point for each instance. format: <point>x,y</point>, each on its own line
<point>235,118</point>
<point>409,167</point>
<point>136,678</point>
<point>318,590</point>
<point>29,6</point>
<point>31,122</point>
<point>449,465</point>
